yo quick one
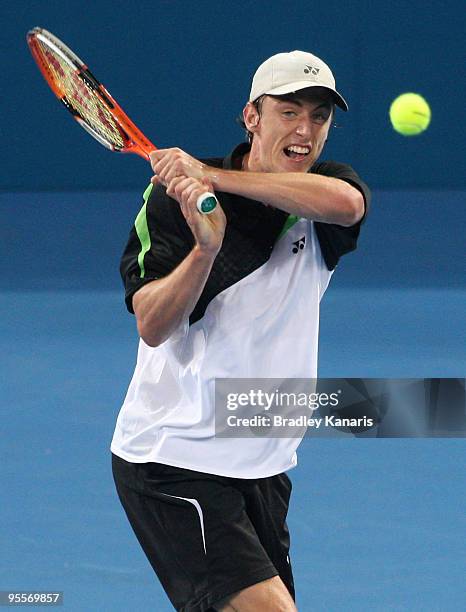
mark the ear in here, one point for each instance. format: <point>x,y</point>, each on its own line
<point>251,117</point>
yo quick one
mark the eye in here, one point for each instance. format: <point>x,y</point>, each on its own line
<point>320,117</point>
<point>289,114</point>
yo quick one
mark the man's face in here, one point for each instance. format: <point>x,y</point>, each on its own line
<point>289,134</point>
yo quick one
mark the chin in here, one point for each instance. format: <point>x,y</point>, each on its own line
<point>292,166</point>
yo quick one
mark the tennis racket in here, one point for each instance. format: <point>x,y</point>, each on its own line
<point>90,103</point>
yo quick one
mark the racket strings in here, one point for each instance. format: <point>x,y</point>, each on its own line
<point>82,98</point>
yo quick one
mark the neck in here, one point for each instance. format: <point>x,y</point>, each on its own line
<point>251,161</point>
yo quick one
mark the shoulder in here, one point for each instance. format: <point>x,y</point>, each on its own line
<point>162,215</point>
<point>335,241</point>
<point>334,169</point>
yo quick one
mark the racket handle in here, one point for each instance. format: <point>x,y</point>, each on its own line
<point>206,203</point>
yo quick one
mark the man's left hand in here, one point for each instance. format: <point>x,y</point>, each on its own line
<point>171,163</point>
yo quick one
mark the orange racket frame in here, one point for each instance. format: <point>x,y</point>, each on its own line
<point>134,140</point>
<point>131,137</point>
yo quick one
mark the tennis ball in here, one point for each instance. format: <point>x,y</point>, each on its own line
<point>410,114</point>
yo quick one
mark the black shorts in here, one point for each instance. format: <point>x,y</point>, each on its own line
<point>206,536</point>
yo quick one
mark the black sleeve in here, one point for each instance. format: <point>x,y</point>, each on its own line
<point>336,240</point>
<point>158,242</point>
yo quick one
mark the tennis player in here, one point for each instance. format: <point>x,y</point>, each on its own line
<point>232,294</point>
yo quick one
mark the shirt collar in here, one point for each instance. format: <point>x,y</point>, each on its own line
<point>231,161</point>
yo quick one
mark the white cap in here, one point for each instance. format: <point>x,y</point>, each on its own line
<point>288,72</point>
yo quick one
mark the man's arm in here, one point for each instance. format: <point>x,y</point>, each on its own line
<point>313,196</point>
<point>161,305</point>
<point>316,197</point>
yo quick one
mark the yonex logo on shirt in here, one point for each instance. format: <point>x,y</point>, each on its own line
<point>299,244</point>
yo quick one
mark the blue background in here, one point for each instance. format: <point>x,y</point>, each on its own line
<point>182,70</point>
<point>376,524</point>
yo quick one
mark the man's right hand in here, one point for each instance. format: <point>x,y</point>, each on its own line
<point>208,230</point>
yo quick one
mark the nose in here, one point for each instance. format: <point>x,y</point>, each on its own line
<point>304,128</point>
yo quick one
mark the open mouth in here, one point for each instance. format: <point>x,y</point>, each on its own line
<point>296,152</point>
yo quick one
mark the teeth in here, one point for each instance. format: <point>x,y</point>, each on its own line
<point>299,150</point>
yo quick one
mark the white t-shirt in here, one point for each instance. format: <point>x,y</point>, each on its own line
<point>258,317</point>
<point>264,326</point>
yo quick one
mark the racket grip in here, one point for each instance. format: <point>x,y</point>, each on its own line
<point>206,203</point>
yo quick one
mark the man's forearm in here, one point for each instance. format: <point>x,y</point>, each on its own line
<point>162,305</point>
<point>316,197</point>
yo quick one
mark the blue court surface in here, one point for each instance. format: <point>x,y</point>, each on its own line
<point>376,524</point>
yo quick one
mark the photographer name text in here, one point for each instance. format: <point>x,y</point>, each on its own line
<point>263,420</point>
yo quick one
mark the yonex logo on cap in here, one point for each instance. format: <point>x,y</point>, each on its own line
<point>311,70</point>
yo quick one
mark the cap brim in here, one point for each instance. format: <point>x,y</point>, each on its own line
<point>299,85</point>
